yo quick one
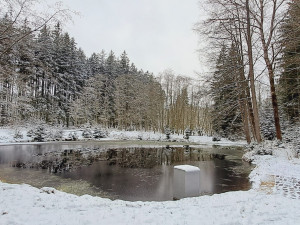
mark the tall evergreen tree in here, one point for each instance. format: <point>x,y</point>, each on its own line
<point>225,94</point>
<point>124,64</point>
<point>289,81</point>
<point>94,64</point>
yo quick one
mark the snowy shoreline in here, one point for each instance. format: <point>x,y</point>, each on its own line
<point>273,199</point>
<point>23,204</point>
<point>7,137</point>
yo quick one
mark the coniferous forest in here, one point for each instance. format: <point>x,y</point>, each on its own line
<point>45,76</point>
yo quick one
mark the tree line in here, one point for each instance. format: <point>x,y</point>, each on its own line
<point>257,45</point>
<point>45,76</point>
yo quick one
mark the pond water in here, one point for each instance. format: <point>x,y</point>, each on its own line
<point>127,171</point>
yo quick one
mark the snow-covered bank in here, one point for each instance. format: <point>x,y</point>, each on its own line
<point>23,204</point>
<point>277,168</point>
<point>8,135</point>
<point>155,136</point>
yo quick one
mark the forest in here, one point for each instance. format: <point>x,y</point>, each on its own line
<point>45,76</point>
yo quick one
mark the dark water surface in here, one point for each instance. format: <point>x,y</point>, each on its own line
<point>127,171</point>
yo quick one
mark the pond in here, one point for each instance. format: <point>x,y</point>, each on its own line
<point>127,171</point>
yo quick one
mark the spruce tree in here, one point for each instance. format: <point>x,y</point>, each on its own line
<point>289,81</point>
<point>124,64</point>
<point>224,92</point>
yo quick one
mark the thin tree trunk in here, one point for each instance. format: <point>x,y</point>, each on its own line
<point>251,76</point>
<point>273,95</point>
<point>244,102</point>
<point>269,65</point>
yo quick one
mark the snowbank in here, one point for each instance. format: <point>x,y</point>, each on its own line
<point>7,135</point>
<point>23,204</point>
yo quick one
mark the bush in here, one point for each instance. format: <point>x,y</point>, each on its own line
<point>57,135</point>
<point>87,133</point>
<point>72,136</point>
<point>29,133</point>
<point>216,139</point>
<point>39,134</point>
<point>98,133</point>
<point>18,134</point>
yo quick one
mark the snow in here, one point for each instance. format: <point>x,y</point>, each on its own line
<point>23,204</point>
<point>187,168</point>
<point>7,136</point>
<point>207,140</point>
<point>276,170</point>
<point>273,199</point>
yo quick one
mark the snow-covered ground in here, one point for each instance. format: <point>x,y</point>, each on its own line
<point>23,204</point>
<point>274,199</point>
<point>8,135</point>
<point>278,172</point>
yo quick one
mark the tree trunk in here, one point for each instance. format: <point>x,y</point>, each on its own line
<point>251,76</point>
<point>273,95</point>
<point>244,113</point>
<point>269,65</point>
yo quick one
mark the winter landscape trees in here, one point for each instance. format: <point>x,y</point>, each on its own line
<point>44,74</point>
<point>252,39</point>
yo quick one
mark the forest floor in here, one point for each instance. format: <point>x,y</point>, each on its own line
<point>273,199</point>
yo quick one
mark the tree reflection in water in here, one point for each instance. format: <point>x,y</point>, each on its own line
<point>131,173</point>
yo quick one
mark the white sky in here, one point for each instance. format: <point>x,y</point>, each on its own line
<point>156,34</point>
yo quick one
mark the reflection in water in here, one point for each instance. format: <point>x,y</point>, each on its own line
<point>151,157</point>
<point>133,173</point>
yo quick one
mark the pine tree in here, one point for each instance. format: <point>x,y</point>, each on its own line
<point>102,60</point>
<point>43,101</point>
<point>289,81</point>
<point>94,64</point>
<point>125,96</point>
<point>7,70</point>
<point>111,66</point>
<point>25,60</point>
<point>124,64</point>
<point>225,94</point>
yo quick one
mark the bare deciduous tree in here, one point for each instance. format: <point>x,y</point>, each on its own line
<point>268,17</point>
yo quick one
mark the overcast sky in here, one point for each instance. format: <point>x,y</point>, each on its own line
<point>156,34</point>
